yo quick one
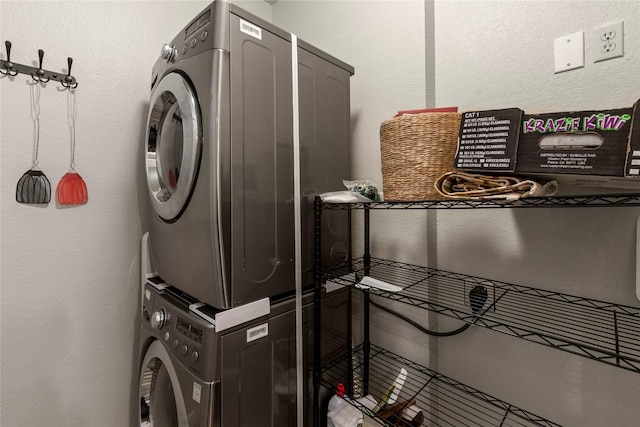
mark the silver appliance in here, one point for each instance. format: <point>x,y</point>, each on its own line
<point>178,385</point>
<point>192,375</point>
<point>219,157</point>
<point>199,370</point>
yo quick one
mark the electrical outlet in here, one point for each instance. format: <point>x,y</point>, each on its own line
<point>608,42</point>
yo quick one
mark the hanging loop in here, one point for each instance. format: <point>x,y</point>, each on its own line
<point>72,113</point>
<point>39,77</point>
<point>39,74</point>
<point>69,81</point>
<point>35,116</point>
<point>8,65</point>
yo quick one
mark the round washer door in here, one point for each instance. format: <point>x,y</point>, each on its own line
<point>161,400</point>
<point>174,145</point>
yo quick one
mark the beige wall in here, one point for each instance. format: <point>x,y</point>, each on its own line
<point>69,277</point>
<point>493,55</point>
<point>385,42</point>
<point>499,54</point>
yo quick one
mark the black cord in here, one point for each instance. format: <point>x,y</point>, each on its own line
<point>419,326</point>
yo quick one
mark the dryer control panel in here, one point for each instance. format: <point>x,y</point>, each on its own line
<point>197,37</point>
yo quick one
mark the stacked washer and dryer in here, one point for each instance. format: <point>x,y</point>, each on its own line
<point>229,107</point>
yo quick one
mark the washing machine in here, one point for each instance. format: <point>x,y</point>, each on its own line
<point>219,156</point>
<point>202,367</point>
<point>179,376</point>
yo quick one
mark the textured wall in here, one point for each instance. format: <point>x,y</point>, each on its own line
<point>498,55</point>
<point>494,55</point>
<point>70,292</point>
<point>385,42</point>
<point>69,277</point>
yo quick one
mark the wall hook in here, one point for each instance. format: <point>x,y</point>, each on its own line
<point>69,81</point>
<point>40,72</point>
<point>8,65</point>
<point>39,75</point>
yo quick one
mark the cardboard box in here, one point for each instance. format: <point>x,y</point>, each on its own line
<point>633,156</point>
<point>594,148</point>
<point>575,143</point>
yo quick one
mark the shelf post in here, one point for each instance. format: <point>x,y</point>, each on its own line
<point>617,337</point>
<point>367,269</point>
<point>367,229</point>
<point>317,316</point>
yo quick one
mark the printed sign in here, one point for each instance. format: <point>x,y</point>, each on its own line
<point>488,140</point>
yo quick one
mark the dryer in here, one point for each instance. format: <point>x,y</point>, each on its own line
<point>219,156</point>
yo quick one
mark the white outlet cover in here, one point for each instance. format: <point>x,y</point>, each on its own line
<point>612,34</point>
<point>568,52</point>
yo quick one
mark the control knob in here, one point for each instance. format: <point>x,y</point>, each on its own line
<point>168,52</point>
<point>158,319</point>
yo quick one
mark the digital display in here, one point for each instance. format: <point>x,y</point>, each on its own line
<point>189,330</point>
<point>198,23</point>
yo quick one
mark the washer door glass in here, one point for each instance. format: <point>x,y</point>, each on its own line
<point>174,145</point>
<point>161,403</point>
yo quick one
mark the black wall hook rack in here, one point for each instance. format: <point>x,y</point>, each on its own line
<point>39,74</point>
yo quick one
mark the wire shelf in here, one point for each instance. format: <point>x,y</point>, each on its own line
<point>611,200</point>
<point>602,331</point>
<point>443,401</point>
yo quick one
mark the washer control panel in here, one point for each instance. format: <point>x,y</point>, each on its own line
<point>186,336</point>
<point>157,319</point>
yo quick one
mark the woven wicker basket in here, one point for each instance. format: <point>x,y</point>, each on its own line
<point>416,150</point>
